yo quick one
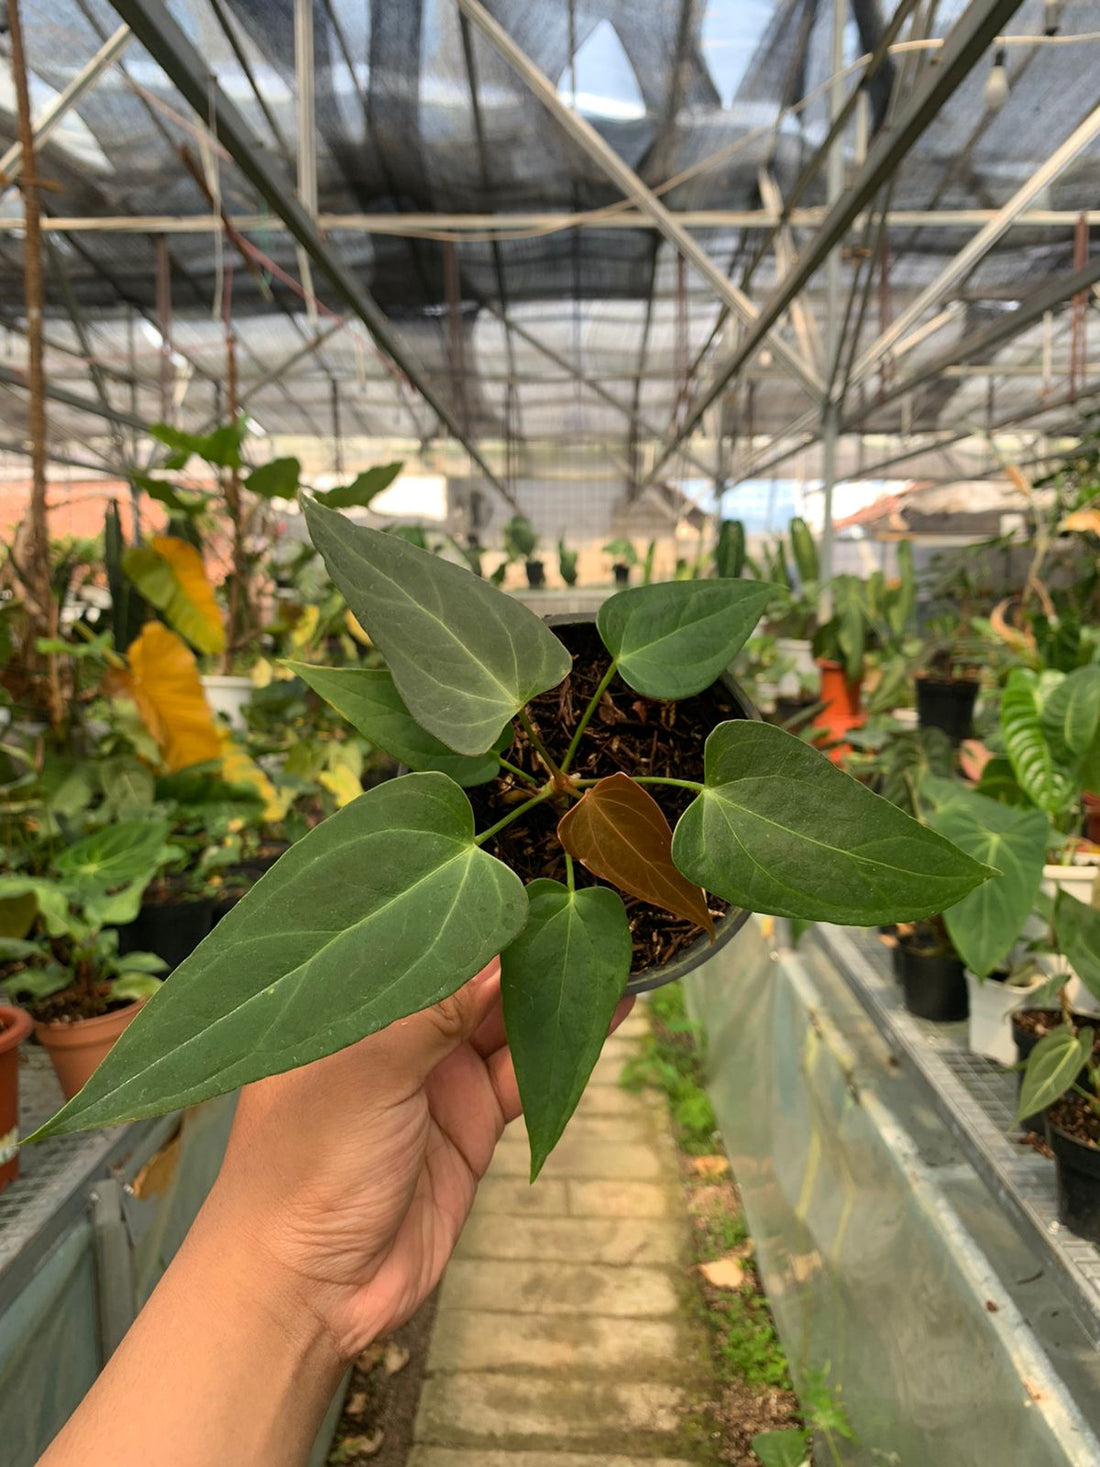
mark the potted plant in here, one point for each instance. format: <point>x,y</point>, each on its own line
<point>15,1025</point>
<point>986,924</point>
<point>521,543</point>
<point>80,990</point>
<point>560,752</point>
<point>930,971</point>
<point>947,686</point>
<point>624,558</point>
<point>567,564</point>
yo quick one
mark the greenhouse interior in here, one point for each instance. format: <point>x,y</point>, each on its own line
<point>550,733</point>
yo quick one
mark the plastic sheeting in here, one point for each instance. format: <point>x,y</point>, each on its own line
<point>872,1276</point>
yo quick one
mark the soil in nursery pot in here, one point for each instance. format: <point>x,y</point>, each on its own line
<point>628,734</point>
<point>1074,1136</point>
<point>376,1424</point>
<point>1031,1025</point>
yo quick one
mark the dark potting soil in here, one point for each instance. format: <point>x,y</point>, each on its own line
<point>1042,1021</point>
<point>929,938</point>
<point>628,733</point>
<point>1076,1117</point>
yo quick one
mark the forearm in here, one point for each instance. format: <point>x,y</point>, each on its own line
<point>223,1365</point>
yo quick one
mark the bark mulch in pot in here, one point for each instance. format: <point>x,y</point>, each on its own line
<point>628,734</point>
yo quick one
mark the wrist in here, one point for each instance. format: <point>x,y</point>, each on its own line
<point>263,1288</point>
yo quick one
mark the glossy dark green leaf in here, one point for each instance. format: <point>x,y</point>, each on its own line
<point>278,479</point>
<point>367,698</point>
<point>560,981</point>
<point>1052,1069</point>
<point>362,489</point>
<point>1077,928</point>
<point>464,657</point>
<point>673,639</point>
<point>113,856</point>
<point>385,908</point>
<point>1070,714</point>
<point>781,829</point>
<point>1045,782</point>
<point>989,919</point>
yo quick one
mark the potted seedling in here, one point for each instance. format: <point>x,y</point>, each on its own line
<point>521,543</point>
<point>987,923</point>
<point>623,559</point>
<point>949,682</point>
<point>567,564</point>
<point>549,764</point>
<point>80,990</point>
<point>1062,1079</point>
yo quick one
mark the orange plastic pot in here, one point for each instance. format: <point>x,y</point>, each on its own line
<point>15,1025</point>
<point>76,1048</point>
<point>843,709</point>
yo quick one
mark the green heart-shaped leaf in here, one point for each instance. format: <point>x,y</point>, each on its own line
<point>275,480</point>
<point>464,657</point>
<point>113,856</point>
<point>1070,715</point>
<point>989,919</point>
<point>560,981</point>
<point>1052,1069</point>
<point>780,829</point>
<point>367,698</point>
<point>383,909</point>
<point>1077,929</point>
<point>674,639</point>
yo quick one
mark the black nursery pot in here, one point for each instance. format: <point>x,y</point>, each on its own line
<point>172,930</point>
<point>536,574</point>
<point>934,985</point>
<point>1078,1178</point>
<point>621,574</point>
<point>947,705</point>
<point>702,948</point>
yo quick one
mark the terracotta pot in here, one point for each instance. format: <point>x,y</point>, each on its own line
<point>15,1025</point>
<point>842,710</point>
<point>76,1048</point>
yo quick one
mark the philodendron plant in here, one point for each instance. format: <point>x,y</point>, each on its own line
<point>394,902</point>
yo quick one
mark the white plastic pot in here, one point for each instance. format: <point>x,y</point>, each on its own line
<point>991,1006</point>
<point>228,695</point>
<point>799,651</point>
<point>1078,880</point>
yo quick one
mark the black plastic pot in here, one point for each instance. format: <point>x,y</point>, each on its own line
<point>947,705</point>
<point>934,984</point>
<point>536,574</point>
<point>702,948</point>
<point>788,708</point>
<point>621,574</point>
<point>1078,1177</point>
<point>172,930</point>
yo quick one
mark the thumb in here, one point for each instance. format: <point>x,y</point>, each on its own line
<point>417,1044</point>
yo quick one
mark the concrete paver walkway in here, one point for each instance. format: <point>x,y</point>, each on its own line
<point>560,1339</point>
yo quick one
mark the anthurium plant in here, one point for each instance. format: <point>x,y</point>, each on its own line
<point>396,900</point>
<point>62,956</point>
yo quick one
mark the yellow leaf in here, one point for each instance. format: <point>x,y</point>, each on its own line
<point>163,680</point>
<point>1083,519</point>
<point>305,628</point>
<point>262,673</point>
<point>170,574</point>
<point>710,1166</point>
<point>723,1273</point>
<point>240,768</point>
<point>356,631</point>
<point>341,783</point>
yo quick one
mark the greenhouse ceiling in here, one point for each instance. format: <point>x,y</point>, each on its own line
<point>686,238</point>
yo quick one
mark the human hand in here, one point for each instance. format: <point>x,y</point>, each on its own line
<point>351,1178</point>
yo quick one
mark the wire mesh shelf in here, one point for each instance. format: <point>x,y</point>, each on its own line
<point>977,1100</point>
